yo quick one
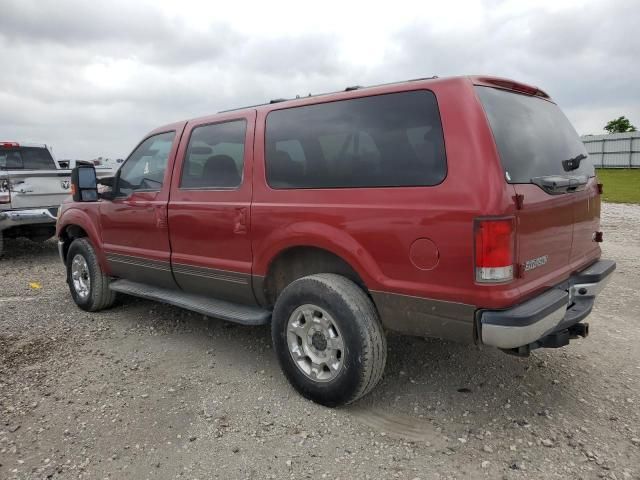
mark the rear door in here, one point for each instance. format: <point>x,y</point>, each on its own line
<point>35,180</point>
<point>553,179</point>
<point>209,208</point>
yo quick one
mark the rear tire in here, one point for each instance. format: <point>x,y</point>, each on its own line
<point>88,284</point>
<point>328,338</point>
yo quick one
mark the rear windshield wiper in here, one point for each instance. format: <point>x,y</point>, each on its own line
<point>557,184</point>
<point>573,163</point>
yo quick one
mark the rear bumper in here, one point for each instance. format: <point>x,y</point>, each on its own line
<point>15,218</point>
<point>539,321</point>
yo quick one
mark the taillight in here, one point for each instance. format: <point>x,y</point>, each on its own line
<point>5,192</point>
<point>494,244</point>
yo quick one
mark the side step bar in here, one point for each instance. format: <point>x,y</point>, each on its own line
<point>232,312</point>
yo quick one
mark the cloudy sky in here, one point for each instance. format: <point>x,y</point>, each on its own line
<point>92,77</point>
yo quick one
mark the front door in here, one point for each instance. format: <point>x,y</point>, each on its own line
<point>134,225</point>
<point>209,208</point>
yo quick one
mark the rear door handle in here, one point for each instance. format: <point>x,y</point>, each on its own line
<point>240,224</point>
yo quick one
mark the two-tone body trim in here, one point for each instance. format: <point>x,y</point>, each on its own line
<point>210,273</point>
<point>426,317</point>
<point>141,269</point>
<point>138,261</point>
<point>221,284</point>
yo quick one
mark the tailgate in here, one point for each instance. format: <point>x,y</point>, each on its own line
<point>39,188</point>
<point>544,232</point>
<point>554,184</point>
<point>555,233</point>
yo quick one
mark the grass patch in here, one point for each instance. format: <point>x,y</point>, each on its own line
<point>621,185</point>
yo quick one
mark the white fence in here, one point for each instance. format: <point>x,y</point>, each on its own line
<point>617,150</point>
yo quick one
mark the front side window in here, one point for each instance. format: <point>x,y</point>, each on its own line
<point>215,156</point>
<point>145,168</point>
<point>388,140</point>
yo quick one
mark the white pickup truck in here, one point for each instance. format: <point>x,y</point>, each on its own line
<point>32,187</point>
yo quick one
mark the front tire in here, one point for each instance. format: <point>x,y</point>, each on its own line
<point>328,338</point>
<point>88,284</point>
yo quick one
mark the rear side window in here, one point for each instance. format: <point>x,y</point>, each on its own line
<point>533,136</point>
<point>391,140</point>
<point>215,156</point>
<point>26,158</point>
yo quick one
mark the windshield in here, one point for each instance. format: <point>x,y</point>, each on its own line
<point>26,158</point>
<point>533,137</point>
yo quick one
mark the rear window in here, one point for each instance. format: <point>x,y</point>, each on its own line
<point>388,140</point>
<point>26,158</point>
<point>533,136</point>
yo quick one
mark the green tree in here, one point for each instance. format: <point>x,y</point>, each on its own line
<point>619,125</point>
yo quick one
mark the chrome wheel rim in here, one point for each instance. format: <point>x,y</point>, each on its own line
<point>315,343</point>
<point>80,276</point>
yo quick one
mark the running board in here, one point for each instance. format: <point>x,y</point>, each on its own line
<point>232,312</point>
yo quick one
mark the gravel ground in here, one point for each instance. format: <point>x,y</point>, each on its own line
<point>150,391</point>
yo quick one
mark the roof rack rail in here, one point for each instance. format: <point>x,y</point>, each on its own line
<point>348,89</point>
<point>242,108</point>
<point>422,78</point>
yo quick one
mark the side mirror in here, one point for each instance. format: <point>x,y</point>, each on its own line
<point>84,184</point>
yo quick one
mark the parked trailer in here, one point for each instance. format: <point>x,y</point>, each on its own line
<point>615,150</point>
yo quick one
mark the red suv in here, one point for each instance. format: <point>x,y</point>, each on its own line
<point>460,208</point>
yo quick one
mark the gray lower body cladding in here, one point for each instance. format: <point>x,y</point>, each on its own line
<point>555,310</point>
<point>425,317</point>
<point>230,286</point>
<point>143,270</point>
<point>528,323</point>
<point>225,285</point>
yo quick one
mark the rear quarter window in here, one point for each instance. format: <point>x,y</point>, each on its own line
<point>391,140</point>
